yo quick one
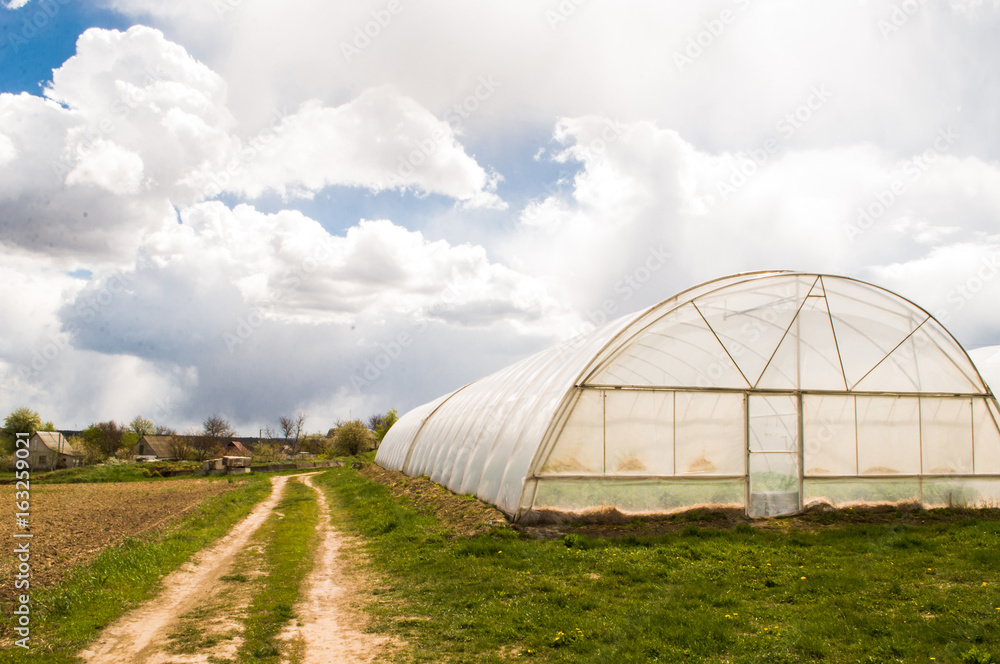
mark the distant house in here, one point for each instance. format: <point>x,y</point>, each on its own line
<point>155,448</point>
<point>236,448</point>
<point>50,449</point>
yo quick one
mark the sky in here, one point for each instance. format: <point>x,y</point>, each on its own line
<point>252,209</point>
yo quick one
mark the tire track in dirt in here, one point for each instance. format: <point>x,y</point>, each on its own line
<point>134,637</point>
<point>326,626</point>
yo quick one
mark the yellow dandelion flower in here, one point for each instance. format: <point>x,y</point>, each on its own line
<point>803,578</point>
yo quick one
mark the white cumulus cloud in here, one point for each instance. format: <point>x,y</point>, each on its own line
<point>380,140</point>
<point>109,166</point>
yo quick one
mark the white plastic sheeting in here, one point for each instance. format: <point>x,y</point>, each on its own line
<point>763,391</point>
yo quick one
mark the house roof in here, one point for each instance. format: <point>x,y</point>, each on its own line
<point>239,446</point>
<point>56,442</point>
<point>162,446</point>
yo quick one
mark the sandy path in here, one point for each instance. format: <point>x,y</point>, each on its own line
<point>133,638</point>
<point>326,625</point>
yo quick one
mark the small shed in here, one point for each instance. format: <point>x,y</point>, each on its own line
<point>155,448</point>
<point>237,449</point>
<point>50,449</point>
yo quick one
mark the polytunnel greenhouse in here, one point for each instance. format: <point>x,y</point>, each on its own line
<point>766,392</point>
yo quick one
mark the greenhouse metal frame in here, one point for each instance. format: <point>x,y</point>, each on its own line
<point>767,392</point>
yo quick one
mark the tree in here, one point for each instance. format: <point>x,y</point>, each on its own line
<point>292,427</point>
<point>267,452</point>
<point>101,440</point>
<point>390,418</point>
<point>287,426</point>
<point>352,438</point>
<point>218,427</point>
<point>20,420</point>
<point>216,430</point>
<point>313,443</point>
<point>181,448</point>
<point>140,426</point>
<point>164,431</point>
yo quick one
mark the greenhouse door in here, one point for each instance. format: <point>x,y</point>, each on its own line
<point>773,455</point>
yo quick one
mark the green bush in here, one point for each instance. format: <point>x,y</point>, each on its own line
<point>353,438</point>
<point>267,453</point>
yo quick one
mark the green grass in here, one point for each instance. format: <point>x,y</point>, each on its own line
<point>68,616</point>
<point>289,539</point>
<point>837,592</point>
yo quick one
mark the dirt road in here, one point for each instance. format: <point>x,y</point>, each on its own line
<point>326,624</point>
<point>326,630</point>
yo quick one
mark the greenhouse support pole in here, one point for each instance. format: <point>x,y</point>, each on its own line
<point>802,452</point>
<point>746,452</point>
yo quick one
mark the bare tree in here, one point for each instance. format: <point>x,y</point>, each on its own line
<point>287,426</point>
<point>292,428</point>
<point>218,427</point>
<point>300,424</point>
<point>216,430</point>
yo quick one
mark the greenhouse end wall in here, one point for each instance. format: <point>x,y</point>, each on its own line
<point>765,453</point>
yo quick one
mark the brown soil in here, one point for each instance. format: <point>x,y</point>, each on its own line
<point>462,516</point>
<point>72,523</point>
<point>612,524</point>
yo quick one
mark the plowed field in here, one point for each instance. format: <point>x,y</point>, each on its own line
<point>72,523</point>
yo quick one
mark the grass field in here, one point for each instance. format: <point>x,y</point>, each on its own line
<point>453,583</point>
<point>830,590</point>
